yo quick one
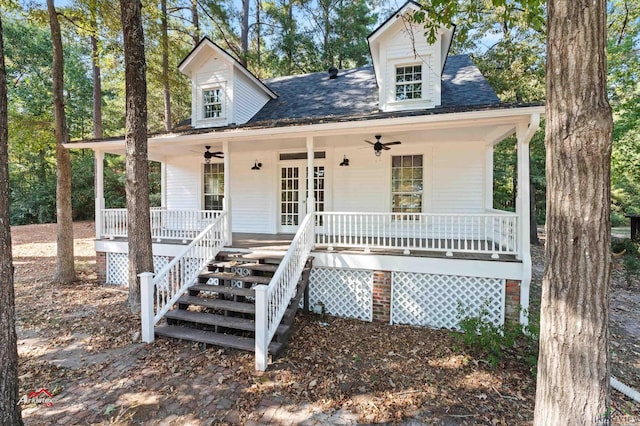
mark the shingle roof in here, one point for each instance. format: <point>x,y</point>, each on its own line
<point>354,92</point>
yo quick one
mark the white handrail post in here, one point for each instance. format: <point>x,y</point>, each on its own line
<point>262,328</point>
<point>146,306</point>
<point>99,193</point>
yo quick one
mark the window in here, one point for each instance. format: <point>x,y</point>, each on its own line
<point>406,183</point>
<point>408,82</point>
<point>213,186</point>
<point>212,101</point>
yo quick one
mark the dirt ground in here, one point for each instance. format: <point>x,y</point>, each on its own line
<point>80,343</point>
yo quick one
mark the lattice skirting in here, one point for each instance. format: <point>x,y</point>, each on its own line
<point>344,292</point>
<point>438,300</point>
<point>118,267</point>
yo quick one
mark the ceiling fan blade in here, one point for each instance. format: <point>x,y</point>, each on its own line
<point>367,141</point>
<point>218,154</point>
<point>392,143</point>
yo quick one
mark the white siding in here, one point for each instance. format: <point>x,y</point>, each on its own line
<point>458,178</point>
<point>399,48</point>
<point>249,99</point>
<point>454,182</point>
<point>364,185</point>
<point>214,73</point>
<point>253,192</point>
<point>184,183</point>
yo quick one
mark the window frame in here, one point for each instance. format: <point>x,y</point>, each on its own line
<point>417,163</point>
<point>407,83</point>
<point>205,104</point>
<point>217,192</point>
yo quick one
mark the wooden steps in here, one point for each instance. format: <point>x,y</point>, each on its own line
<point>223,313</point>
<point>217,339</point>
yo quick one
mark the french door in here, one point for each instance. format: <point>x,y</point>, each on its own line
<point>293,194</point>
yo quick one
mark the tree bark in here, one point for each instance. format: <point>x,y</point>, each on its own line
<point>65,272</point>
<point>573,366</point>
<point>97,78</point>
<point>244,32</point>
<point>9,409</point>
<point>137,166</point>
<point>165,65</point>
<point>196,22</point>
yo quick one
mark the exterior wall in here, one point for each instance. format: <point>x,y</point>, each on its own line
<point>101,266</point>
<point>512,304</point>
<point>399,48</point>
<point>254,192</point>
<point>454,181</point>
<point>216,72</point>
<point>184,183</point>
<point>249,99</point>
<point>457,178</point>
<point>382,296</point>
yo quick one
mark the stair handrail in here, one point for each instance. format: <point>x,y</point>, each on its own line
<point>272,300</point>
<point>160,292</point>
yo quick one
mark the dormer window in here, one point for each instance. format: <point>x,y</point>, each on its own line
<point>212,103</point>
<point>408,82</point>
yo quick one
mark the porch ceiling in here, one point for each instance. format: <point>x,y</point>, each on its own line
<point>488,128</point>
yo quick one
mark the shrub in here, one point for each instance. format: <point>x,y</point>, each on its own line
<point>490,342</point>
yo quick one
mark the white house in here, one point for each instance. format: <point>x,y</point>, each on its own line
<point>400,222</point>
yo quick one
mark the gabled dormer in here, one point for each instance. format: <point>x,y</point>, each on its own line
<point>223,91</point>
<point>408,69</point>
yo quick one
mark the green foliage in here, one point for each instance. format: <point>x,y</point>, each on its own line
<point>630,260</point>
<point>491,342</point>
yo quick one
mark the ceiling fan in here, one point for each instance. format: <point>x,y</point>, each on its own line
<point>208,155</point>
<point>379,146</point>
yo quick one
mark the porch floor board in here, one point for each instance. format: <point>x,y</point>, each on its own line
<point>280,242</point>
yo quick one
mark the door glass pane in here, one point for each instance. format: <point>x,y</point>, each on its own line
<point>289,197</point>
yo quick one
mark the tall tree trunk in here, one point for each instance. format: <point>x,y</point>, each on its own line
<point>165,65</point>
<point>573,367</point>
<point>65,272</point>
<point>97,78</point>
<point>244,32</point>
<point>137,166</point>
<point>9,408</point>
<point>195,20</point>
<point>258,41</point>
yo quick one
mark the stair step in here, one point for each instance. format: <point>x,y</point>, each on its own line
<point>256,256</point>
<point>211,338</point>
<point>223,289</point>
<point>219,320</point>
<point>226,305</point>
<point>235,277</point>
<point>264,267</point>
<point>211,319</point>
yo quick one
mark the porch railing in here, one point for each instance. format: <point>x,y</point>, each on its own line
<point>165,224</point>
<point>491,233</point>
<point>272,300</point>
<point>160,293</point>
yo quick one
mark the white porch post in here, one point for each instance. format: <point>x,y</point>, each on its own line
<point>524,134</point>
<point>99,191</point>
<point>226,200</point>
<point>488,189</point>
<point>311,202</point>
<point>163,184</point>
<point>146,307</point>
<point>262,328</point>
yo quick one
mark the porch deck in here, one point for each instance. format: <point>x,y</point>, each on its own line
<point>280,243</point>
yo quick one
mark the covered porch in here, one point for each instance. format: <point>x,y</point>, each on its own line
<point>492,234</point>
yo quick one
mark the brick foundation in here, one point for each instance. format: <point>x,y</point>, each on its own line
<point>101,266</point>
<point>382,296</point>
<point>512,301</point>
